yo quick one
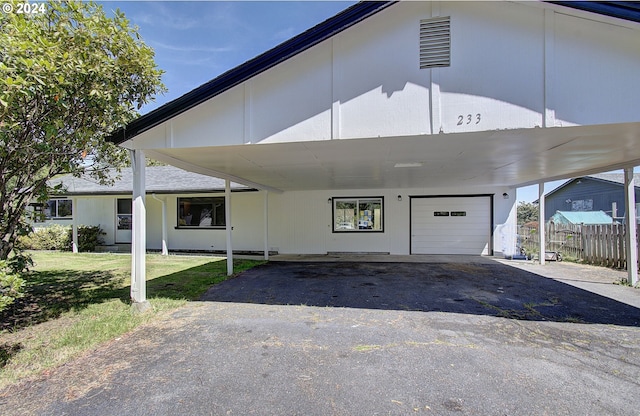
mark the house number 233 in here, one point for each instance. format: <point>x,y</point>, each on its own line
<point>469,118</point>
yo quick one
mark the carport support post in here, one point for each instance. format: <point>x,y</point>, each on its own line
<point>227,214</point>
<point>74,227</point>
<point>138,235</point>
<point>266,225</point>
<point>631,226</point>
<point>541,230</point>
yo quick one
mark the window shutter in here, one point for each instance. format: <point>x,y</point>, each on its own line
<point>435,42</point>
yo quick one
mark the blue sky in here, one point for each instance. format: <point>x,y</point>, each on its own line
<point>195,41</point>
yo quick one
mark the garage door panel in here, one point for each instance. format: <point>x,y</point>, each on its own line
<point>468,233</point>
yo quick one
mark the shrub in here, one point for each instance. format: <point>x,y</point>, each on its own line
<point>53,237</point>
<point>89,236</point>
<point>11,286</point>
<point>58,237</point>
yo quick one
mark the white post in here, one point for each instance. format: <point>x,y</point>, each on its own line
<point>266,225</point>
<point>74,230</point>
<point>138,235</point>
<point>163,201</point>
<point>631,226</point>
<point>541,214</point>
<point>227,213</point>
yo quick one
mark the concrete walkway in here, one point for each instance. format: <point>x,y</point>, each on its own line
<point>263,357</point>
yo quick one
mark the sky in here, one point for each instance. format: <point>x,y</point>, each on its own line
<point>195,41</point>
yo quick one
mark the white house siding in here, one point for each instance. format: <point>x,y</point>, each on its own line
<point>91,211</point>
<point>596,66</point>
<point>247,220</point>
<point>301,221</point>
<point>366,81</point>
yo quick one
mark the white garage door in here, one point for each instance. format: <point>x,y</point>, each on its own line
<point>451,225</point>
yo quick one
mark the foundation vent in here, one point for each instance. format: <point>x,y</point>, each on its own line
<point>435,42</point>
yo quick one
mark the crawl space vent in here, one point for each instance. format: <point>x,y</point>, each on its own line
<point>435,42</point>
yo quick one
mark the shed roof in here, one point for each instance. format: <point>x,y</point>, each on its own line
<point>583,217</point>
<point>159,179</point>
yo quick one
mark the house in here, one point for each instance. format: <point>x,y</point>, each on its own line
<point>405,127</point>
<point>581,217</point>
<point>598,192</point>
<point>188,207</point>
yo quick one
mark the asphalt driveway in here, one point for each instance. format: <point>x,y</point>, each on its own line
<point>478,288</point>
<point>389,339</point>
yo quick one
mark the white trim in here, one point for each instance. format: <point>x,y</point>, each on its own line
<point>227,211</point>
<point>541,224</point>
<point>266,225</point>
<point>139,231</point>
<point>630,223</point>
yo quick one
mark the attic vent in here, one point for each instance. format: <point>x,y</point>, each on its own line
<point>435,42</point>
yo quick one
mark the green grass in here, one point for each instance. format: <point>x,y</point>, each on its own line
<point>74,302</point>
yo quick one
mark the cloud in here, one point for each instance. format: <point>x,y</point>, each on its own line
<point>190,48</point>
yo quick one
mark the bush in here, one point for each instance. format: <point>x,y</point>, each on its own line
<point>58,237</point>
<point>53,237</point>
<point>89,236</point>
<point>11,286</point>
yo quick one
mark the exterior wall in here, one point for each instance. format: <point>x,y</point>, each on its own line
<point>300,222</point>
<point>95,210</point>
<point>247,220</point>
<point>513,65</point>
<point>603,195</point>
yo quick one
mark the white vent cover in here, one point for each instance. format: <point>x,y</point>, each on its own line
<point>435,42</point>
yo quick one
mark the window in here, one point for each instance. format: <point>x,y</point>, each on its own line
<point>582,205</point>
<point>123,213</point>
<point>205,212</point>
<point>358,214</point>
<point>58,209</point>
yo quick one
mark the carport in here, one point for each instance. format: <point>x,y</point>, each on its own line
<point>304,117</point>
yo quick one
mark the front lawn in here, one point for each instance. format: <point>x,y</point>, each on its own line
<point>73,302</point>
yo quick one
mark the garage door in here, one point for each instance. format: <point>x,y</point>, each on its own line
<point>451,225</point>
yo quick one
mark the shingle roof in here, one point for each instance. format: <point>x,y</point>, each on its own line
<point>300,43</point>
<point>614,178</point>
<point>159,179</point>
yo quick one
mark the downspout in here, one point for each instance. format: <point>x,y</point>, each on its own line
<point>165,249</point>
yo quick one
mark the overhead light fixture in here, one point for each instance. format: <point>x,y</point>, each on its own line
<point>505,195</point>
<point>408,165</point>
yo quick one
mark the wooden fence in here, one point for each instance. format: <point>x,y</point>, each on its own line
<point>602,244</point>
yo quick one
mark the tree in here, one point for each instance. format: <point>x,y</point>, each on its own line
<point>527,212</point>
<point>69,76</point>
